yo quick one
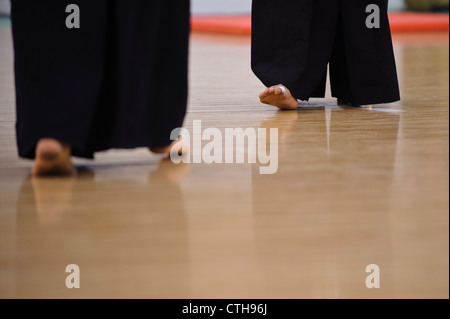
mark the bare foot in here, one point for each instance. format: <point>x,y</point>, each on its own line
<point>344,102</point>
<point>280,97</point>
<point>52,158</point>
<point>179,146</point>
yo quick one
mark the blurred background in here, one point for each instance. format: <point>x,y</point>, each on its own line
<point>244,6</point>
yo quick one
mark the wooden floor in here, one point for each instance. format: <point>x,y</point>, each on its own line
<point>354,187</point>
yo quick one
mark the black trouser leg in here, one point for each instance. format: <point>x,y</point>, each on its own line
<point>295,40</point>
<point>58,71</point>
<point>371,67</point>
<point>120,81</point>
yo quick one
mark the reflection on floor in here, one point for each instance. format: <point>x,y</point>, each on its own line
<point>354,187</point>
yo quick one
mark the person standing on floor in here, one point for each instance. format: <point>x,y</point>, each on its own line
<point>117,80</point>
<point>294,42</point>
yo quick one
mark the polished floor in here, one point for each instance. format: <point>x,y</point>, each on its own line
<point>354,187</point>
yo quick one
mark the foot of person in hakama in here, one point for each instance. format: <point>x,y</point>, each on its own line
<point>279,96</point>
<point>53,158</point>
<point>345,103</point>
<point>179,146</point>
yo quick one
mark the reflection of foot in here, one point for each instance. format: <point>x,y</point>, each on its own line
<point>53,198</point>
<point>52,158</point>
<point>283,121</point>
<point>173,173</point>
<point>345,103</point>
<point>280,97</point>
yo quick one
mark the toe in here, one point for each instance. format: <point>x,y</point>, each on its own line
<point>264,94</point>
<point>46,145</point>
<point>278,90</point>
